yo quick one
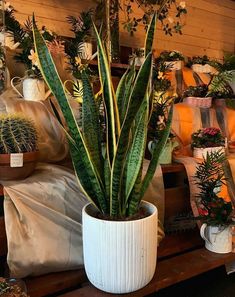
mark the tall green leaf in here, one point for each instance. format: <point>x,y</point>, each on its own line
<point>81,159</point>
<point>136,99</point>
<point>90,124</point>
<point>150,35</point>
<point>137,149</point>
<point>156,154</point>
<point>112,118</point>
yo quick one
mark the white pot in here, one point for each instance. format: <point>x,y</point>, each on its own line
<point>199,152</point>
<point>85,50</point>
<point>203,68</point>
<point>174,65</point>
<point>203,102</point>
<point>138,61</point>
<point>120,256</point>
<point>34,89</point>
<point>218,239</point>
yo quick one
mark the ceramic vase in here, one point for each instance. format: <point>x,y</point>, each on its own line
<point>120,256</point>
<point>200,102</point>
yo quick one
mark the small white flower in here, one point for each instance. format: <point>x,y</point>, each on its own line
<point>182,4</point>
<point>170,20</point>
<point>160,75</point>
<point>161,120</point>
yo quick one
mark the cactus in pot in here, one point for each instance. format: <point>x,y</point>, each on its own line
<point>18,146</point>
<point>110,173</point>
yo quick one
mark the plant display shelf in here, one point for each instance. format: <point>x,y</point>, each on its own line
<point>181,254</point>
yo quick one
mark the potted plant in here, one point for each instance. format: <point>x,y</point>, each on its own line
<point>18,147</point>
<point>157,126</point>
<point>110,173</point>
<point>172,59</point>
<point>33,84</point>
<point>201,64</point>
<point>197,96</point>
<point>214,211</point>
<point>81,45</point>
<point>207,140</point>
<point>137,57</point>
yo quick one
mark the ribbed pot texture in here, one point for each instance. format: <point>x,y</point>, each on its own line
<point>120,256</point>
<point>202,152</point>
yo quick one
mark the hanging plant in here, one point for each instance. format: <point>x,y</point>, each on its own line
<point>163,8</point>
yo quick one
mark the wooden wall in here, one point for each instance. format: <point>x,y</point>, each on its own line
<point>209,26</point>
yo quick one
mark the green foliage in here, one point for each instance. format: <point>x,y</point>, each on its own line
<point>219,87</point>
<point>109,172</point>
<point>18,134</point>
<point>197,91</point>
<point>207,137</point>
<point>168,56</point>
<point>209,177</point>
<point>202,60</point>
<point>162,8</point>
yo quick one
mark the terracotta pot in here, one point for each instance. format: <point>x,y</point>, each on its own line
<point>15,173</point>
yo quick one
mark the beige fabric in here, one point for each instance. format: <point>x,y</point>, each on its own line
<point>52,144</point>
<point>43,222</point>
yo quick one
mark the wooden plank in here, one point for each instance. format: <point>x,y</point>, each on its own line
<point>54,282</point>
<point>168,272</point>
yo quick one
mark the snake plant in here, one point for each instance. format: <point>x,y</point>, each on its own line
<point>110,177</point>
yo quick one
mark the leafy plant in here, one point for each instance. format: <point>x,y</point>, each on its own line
<point>202,60</point>
<point>110,174</point>
<point>162,8</point>
<point>18,134</point>
<point>9,290</point>
<point>197,91</point>
<point>219,87</point>
<point>207,137</point>
<point>168,56</point>
<point>209,177</point>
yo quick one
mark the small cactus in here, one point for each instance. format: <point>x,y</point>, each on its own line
<point>17,134</point>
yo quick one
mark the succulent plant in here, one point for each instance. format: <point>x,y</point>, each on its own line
<point>17,134</point>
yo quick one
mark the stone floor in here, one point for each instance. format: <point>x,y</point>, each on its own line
<point>215,283</point>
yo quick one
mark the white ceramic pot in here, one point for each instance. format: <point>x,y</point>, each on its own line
<point>203,102</point>
<point>138,61</point>
<point>34,89</point>
<point>85,50</point>
<point>218,239</point>
<point>120,256</point>
<point>166,155</point>
<point>200,153</point>
<point>203,68</point>
<point>174,65</point>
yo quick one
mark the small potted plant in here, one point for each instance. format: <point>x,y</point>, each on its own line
<point>201,64</point>
<point>137,57</point>
<point>18,147</point>
<point>197,96</point>
<point>82,29</point>
<point>173,59</point>
<point>207,140</point>
<point>215,212</point>
<point>156,127</point>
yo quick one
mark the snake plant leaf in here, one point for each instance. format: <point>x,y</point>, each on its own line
<point>150,35</point>
<point>156,154</point>
<point>112,117</point>
<point>124,97</point>
<point>137,149</point>
<point>90,124</point>
<point>84,167</point>
<point>133,203</point>
<point>120,92</point>
<point>136,99</point>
